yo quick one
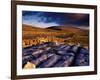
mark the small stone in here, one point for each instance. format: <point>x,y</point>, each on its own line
<point>29,65</point>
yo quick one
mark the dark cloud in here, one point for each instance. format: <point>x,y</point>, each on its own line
<point>59,18</point>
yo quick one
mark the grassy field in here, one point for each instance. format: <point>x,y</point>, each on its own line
<point>32,35</point>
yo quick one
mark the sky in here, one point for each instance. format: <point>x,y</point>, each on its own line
<point>48,19</point>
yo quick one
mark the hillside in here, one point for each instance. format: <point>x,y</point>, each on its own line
<point>69,28</point>
<point>30,28</point>
<point>66,34</point>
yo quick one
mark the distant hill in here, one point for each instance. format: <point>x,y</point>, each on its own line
<point>63,28</point>
<point>66,28</point>
<point>54,28</point>
<point>69,28</point>
<point>29,27</point>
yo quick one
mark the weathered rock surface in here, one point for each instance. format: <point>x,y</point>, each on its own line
<point>50,54</point>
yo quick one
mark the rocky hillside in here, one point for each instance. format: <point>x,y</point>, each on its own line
<point>51,54</point>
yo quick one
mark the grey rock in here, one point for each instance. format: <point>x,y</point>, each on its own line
<point>50,62</point>
<point>50,54</point>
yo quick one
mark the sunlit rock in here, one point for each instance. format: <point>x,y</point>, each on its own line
<point>29,65</point>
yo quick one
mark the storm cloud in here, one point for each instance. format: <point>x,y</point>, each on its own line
<point>47,19</point>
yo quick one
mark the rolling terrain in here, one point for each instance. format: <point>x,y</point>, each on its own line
<point>55,46</point>
<point>66,34</point>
